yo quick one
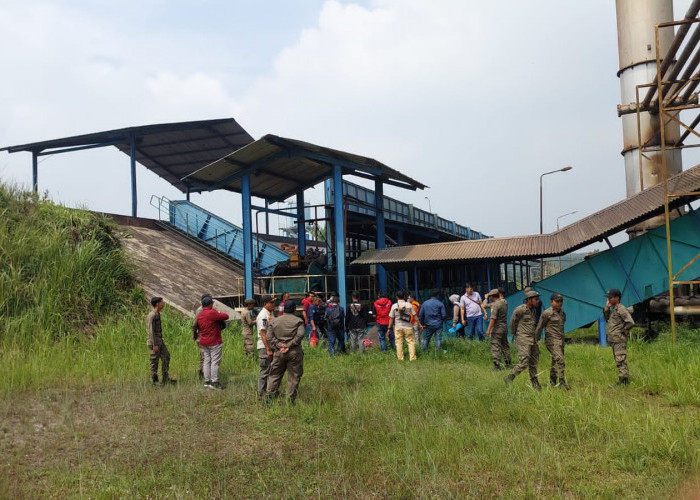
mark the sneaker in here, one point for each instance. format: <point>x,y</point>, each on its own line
<point>207,384</point>
<point>216,385</point>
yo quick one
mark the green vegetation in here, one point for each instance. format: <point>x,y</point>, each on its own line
<point>80,419</point>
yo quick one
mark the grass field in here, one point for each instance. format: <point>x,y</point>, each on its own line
<point>80,419</point>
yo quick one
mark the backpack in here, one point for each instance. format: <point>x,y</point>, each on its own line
<point>333,319</point>
<point>405,312</point>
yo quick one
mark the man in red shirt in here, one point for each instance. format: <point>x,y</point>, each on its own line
<point>382,306</point>
<point>305,304</point>
<point>208,327</point>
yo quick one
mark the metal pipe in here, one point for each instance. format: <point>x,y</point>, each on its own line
<point>671,53</point>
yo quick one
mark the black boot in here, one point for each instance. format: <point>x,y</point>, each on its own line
<point>154,378</point>
<point>168,380</point>
<point>553,380</point>
<point>509,378</point>
<point>536,383</point>
<point>497,367</point>
<point>563,384</point>
<point>622,381</point>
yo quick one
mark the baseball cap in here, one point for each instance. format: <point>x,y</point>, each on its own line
<point>207,300</point>
<point>556,296</point>
<point>249,302</point>
<point>613,292</point>
<point>531,294</point>
<point>267,298</point>
<point>494,292</point>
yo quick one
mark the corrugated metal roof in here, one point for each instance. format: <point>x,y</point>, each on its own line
<point>595,227</point>
<point>170,150</point>
<point>279,166</point>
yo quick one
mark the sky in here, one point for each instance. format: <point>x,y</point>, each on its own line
<point>474,99</point>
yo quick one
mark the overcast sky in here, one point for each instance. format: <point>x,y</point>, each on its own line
<point>474,99</point>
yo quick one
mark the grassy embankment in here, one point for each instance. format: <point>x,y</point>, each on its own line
<point>80,419</point>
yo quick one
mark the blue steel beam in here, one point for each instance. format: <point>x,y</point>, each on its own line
<point>35,172</point>
<point>339,224</point>
<point>132,156</point>
<point>247,236</point>
<point>301,223</point>
<point>381,236</point>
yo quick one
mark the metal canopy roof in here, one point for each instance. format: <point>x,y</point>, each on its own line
<point>593,228</point>
<point>280,166</point>
<point>170,150</point>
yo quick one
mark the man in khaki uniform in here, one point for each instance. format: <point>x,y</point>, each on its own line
<point>497,330</point>
<point>284,337</point>
<point>522,326</point>
<point>248,322</point>
<point>400,315</point>
<point>552,321</point>
<point>619,322</point>
<point>156,345</point>
<point>265,354</point>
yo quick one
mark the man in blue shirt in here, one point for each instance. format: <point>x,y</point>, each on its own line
<point>431,316</point>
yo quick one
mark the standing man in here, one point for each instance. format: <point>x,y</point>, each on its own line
<point>306,303</point>
<point>356,323</point>
<point>522,326</point>
<point>156,345</point>
<point>619,322</point>
<point>335,325</point>
<point>318,326</point>
<point>473,313</point>
<point>265,353</point>
<point>552,321</point>
<point>382,306</point>
<point>497,330</point>
<point>248,322</point>
<point>401,314</point>
<point>431,316</point>
<point>284,337</point>
<point>207,327</point>
<point>415,323</point>
<point>280,307</point>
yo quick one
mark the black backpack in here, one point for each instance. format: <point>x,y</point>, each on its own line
<point>333,317</point>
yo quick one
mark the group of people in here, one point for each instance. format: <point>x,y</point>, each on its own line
<point>279,336</point>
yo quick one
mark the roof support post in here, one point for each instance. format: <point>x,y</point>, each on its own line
<point>35,172</point>
<point>339,233</point>
<point>132,155</point>
<point>301,223</point>
<point>381,237</point>
<point>403,276</point>
<point>247,237</point>
<point>415,282</point>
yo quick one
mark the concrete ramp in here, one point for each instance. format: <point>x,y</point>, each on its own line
<point>172,266</point>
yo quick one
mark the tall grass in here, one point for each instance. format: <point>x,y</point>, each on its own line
<point>80,419</point>
<point>60,269</point>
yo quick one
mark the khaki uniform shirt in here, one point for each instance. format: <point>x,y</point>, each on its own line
<point>248,321</point>
<point>619,323</point>
<point>394,313</point>
<point>499,313</point>
<point>522,324</point>
<point>553,324</point>
<point>155,331</point>
<point>287,329</point>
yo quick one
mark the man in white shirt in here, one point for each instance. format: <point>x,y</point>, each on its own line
<point>264,350</point>
<point>473,313</point>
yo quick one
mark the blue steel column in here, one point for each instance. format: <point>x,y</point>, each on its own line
<point>247,236</point>
<point>339,231</point>
<point>381,237</point>
<point>132,154</point>
<point>403,276</point>
<point>415,282</point>
<point>301,223</point>
<point>35,172</point>
<point>601,332</point>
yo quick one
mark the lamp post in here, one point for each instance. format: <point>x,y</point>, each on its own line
<point>430,209</point>
<point>565,169</point>
<point>562,216</point>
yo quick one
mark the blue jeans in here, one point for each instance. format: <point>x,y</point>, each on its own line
<point>334,335</point>
<point>427,335</point>
<point>475,325</point>
<point>381,331</point>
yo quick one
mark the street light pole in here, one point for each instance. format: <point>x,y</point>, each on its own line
<point>430,209</point>
<point>565,169</point>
